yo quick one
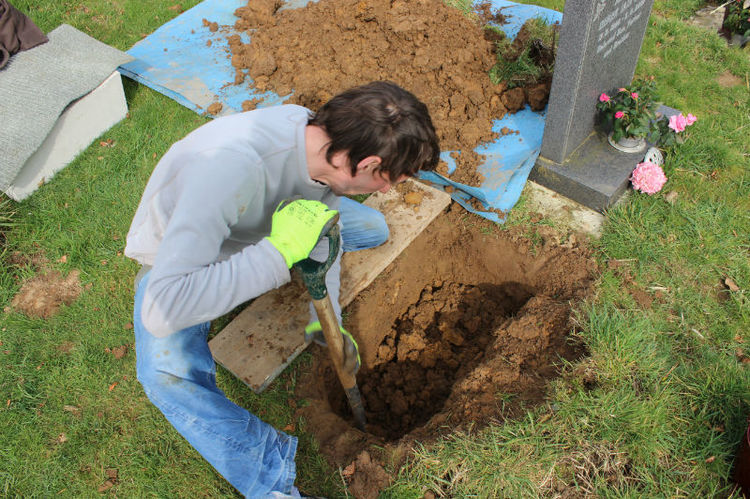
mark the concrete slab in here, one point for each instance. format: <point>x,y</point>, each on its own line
<point>268,334</point>
<point>563,211</point>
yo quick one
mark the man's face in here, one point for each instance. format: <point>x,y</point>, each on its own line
<point>369,178</point>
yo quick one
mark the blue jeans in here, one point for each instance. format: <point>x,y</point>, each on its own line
<point>178,375</point>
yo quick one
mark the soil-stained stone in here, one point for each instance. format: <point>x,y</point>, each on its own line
<point>425,46</point>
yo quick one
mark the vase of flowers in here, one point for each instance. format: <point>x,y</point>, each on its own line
<point>630,113</point>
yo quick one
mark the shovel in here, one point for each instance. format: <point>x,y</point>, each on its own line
<point>314,274</point>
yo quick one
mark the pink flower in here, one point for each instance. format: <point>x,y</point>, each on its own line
<point>604,98</point>
<point>619,114</point>
<point>623,89</point>
<point>634,95</point>
<point>648,178</point>
<point>690,119</point>
<point>677,122</point>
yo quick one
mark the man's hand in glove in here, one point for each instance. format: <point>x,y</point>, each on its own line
<point>297,226</point>
<point>314,332</point>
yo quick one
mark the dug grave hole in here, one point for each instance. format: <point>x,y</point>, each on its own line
<point>466,326</point>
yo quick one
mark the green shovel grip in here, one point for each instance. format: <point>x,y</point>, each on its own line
<point>314,272</point>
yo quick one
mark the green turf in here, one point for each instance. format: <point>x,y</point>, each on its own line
<point>670,391</point>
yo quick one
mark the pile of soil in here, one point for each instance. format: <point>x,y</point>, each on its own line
<point>465,327</point>
<point>427,47</point>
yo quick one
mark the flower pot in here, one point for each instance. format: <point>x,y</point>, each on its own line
<point>628,144</point>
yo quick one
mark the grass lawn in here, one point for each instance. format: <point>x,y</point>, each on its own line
<point>672,380</point>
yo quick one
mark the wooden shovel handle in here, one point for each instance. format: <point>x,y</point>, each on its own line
<point>335,341</point>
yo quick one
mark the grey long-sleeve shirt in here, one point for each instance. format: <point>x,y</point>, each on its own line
<point>206,209</point>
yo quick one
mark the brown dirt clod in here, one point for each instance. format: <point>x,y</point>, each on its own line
<point>250,104</point>
<point>366,477</point>
<point>215,108</point>
<point>213,27</point>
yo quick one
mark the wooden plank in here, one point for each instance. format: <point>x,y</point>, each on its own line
<point>267,335</point>
<point>406,220</point>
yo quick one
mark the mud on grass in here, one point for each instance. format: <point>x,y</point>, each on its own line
<point>42,295</point>
<point>467,326</point>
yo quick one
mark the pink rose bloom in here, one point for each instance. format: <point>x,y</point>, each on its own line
<point>648,178</point>
<point>619,114</point>
<point>677,122</point>
<point>604,98</point>
<point>623,89</point>
<point>634,95</point>
<point>690,119</point>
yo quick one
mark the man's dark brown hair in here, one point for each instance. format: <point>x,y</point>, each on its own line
<point>380,119</point>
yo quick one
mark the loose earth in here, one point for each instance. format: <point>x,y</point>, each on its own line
<point>435,51</point>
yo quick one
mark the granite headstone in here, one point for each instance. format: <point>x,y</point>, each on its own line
<point>600,41</point>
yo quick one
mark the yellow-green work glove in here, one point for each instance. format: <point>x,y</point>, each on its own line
<point>297,226</point>
<point>314,332</point>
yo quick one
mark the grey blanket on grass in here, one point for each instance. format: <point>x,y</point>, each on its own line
<point>38,84</point>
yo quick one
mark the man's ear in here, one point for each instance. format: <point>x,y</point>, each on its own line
<point>370,163</point>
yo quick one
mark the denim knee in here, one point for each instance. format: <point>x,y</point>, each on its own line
<point>158,385</point>
<point>362,227</point>
<point>155,381</point>
<point>172,368</point>
<point>373,232</point>
<point>364,233</point>
<point>380,232</point>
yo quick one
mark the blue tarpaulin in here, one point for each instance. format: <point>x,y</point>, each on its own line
<point>189,63</point>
